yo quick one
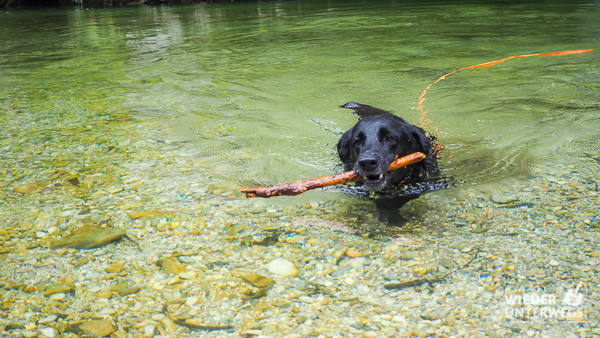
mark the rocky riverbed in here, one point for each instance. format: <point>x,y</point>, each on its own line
<point>192,257</point>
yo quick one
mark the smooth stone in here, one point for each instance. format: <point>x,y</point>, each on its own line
<point>235,228</point>
<point>341,271</point>
<point>100,328</point>
<point>257,280</point>
<point>406,256</point>
<point>283,303</point>
<point>188,275</point>
<point>30,188</point>
<point>104,294</point>
<point>113,269</point>
<point>129,290</point>
<point>282,267</point>
<point>58,296</point>
<point>362,289</point>
<point>49,332</point>
<point>149,330</point>
<point>389,275</point>
<point>88,237</point>
<point>29,334</point>
<point>63,287</point>
<point>145,215</point>
<point>172,267</point>
<point>502,198</point>
<point>358,263</point>
<point>300,284</point>
<point>447,262</point>
<point>191,301</point>
<point>553,262</point>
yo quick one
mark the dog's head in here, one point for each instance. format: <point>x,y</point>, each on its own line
<point>375,141</point>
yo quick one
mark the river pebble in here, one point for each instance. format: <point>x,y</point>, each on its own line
<point>49,332</point>
<point>282,267</point>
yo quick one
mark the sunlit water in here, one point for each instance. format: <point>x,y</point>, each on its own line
<point>256,87</point>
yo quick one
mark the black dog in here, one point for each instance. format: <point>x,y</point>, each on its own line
<point>372,144</point>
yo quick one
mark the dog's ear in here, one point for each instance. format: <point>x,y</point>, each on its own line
<point>344,151</point>
<point>421,140</point>
<point>363,110</point>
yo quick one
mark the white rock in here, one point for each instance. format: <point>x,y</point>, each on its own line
<point>399,319</point>
<point>553,262</point>
<point>362,289</point>
<point>282,267</point>
<point>357,263</point>
<point>191,301</point>
<point>29,334</point>
<point>149,330</point>
<point>49,332</point>
<point>48,319</point>
<point>58,296</point>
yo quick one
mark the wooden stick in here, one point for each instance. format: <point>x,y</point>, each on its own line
<point>296,188</point>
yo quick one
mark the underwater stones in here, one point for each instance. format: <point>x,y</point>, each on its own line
<point>353,252</point>
<point>257,280</point>
<point>98,328</point>
<point>170,266</point>
<point>145,215</point>
<point>88,237</point>
<point>30,188</point>
<point>48,332</point>
<point>62,287</point>
<point>235,228</point>
<point>58,296</point>
<point>362,289</point>
<point>446,262</point>
<point>128,290</point>
<point>282,267</point>
<point>337,294</point>
<point>504,198</point>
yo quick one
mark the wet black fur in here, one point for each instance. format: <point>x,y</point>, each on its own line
<point>372,144</point>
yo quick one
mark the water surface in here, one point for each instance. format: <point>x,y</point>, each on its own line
<point>253,89</point>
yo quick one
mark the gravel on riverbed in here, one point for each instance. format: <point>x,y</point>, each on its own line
<point>205,261</point>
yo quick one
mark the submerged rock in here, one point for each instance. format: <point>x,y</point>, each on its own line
<point>129,290</point>
<point>170,266</point>
<point>257,280</point>
<point>88,237</point>
<point>503,198</point>
<point>282,267</point>
<point>145,215</point>
<point>63,287</point>
<point>99,328</point>
<point>30,188</point>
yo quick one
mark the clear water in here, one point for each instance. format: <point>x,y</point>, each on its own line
<point>254,89</point>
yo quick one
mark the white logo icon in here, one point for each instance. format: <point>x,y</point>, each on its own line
<point>573,297</point>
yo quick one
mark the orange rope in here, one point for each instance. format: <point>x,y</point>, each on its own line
<point>425,121</point>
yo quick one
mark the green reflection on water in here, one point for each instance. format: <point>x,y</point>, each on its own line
<point>256,86</point>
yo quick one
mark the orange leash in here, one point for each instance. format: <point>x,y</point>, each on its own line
<point>425,121</point>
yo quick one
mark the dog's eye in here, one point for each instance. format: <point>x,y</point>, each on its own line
<point>359,141</point>
<point>389,138</point>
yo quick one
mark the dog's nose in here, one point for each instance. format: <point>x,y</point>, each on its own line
<point>368,164</point>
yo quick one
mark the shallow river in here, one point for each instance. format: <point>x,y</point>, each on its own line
<point>255,88</point>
